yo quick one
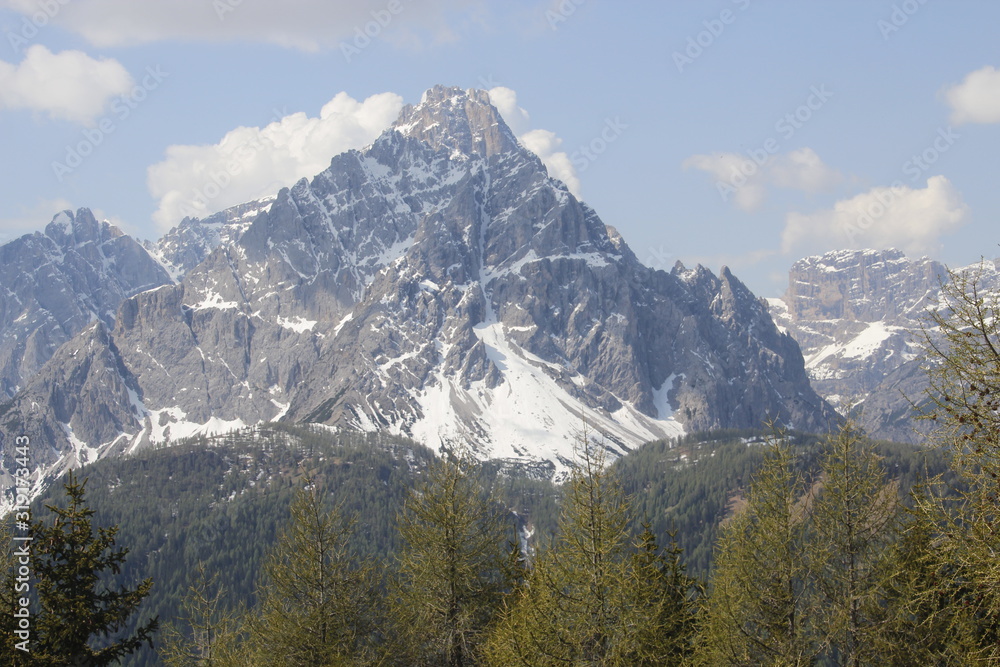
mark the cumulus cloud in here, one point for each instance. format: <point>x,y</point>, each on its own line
<point>977,98</point>
<point>69,85</point>
<point>308,25</point>
<point>543,143</point>
<point>745,181</point>
<point>253,162</point>
<point>505,100</point>
<point>912,220</point>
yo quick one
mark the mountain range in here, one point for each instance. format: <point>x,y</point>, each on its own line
<point>437,284</point>
<point>860,318</point>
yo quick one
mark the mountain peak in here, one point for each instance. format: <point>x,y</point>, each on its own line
<point>464,122</point>
<point>68,229</point>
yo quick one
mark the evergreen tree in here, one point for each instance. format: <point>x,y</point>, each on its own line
<point>453,570</point>
<point>80,618</point>
<point>923,624</point>
<point>664,601</point>
<point>963,345</point>
<point>757,608</point>
<point>315,601</point>
<point>582,603</point>
<point>206,634</point>
<point>853,526</point>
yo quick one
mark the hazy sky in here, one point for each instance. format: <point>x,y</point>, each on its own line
<point>740,132</point>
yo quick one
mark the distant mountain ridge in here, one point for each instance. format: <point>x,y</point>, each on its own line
<point>857,314</point>
<point>56,282</point>
<point>437,284</point>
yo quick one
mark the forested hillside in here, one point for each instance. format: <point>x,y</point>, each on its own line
<point>220,503</point>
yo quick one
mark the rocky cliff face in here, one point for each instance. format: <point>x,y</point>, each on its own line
<point>857,315</point>
<point>439,284</point>
<point>58,282</point>
<point>189,243</point>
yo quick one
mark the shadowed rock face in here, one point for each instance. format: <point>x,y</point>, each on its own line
<point>857,315</point>
<point>57,282</point>
<point>439,284</point>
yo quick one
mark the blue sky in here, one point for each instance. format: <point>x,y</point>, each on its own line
<point>738,132</point>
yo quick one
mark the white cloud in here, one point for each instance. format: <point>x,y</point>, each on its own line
<point>505,100</point>
<point>736,177</point>
<point>912,220</point>
<point>543,143</point>
<point>977,98</point>
<point>69,85</point>
<point>253,162</point>
<point>308,25</point>
<point>745,181</point>
<point>32,219</point>
<point>802,170</point>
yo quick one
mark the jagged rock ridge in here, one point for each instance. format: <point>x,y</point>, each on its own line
<point>439,284</point>
<point>57,282</point>
<point>857,314</point>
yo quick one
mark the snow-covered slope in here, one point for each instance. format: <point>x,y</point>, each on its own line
<point>857,314</point>
<point>436,284</point>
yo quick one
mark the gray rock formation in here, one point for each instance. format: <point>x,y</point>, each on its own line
<point>57,282</point>
<point>857,314</point>
<point>439,284</point>
<point>189,243</point>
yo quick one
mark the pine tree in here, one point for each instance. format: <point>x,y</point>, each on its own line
<point>315,602</point>
<point>854,523</point>
<point>757,608</point>
<point>80,618</point>
<point>663,601</point>
<point>453,569</point>
<point>579,605</point>
<point>924,625</point>
<point>963,344</point>
<point>206,635</point>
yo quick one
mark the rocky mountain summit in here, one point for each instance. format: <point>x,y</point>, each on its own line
<point>437,284</point>
<point>58,282</point>
<point>857,314</point>
<point>189,243</point>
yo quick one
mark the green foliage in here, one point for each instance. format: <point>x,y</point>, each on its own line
<point>853,523</point>
<point>621,596</point>
<point>316,602</point>
<point>221,502</point>
<point>205,634</point>
<point>666,601</point>
<point>589,598</point>
<point>963,590</point>
<point>757,611</point>
<point>453,568</point>
<point>80,619</point>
